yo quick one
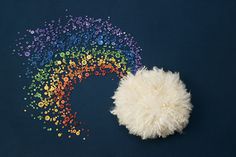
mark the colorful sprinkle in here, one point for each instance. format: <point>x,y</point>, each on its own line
<point>61,54</point>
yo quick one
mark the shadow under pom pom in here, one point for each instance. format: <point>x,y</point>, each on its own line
<point>152,103</point>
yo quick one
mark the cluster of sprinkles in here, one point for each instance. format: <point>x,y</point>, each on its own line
<point>61,54</point>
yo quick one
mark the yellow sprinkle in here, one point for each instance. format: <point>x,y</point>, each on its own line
<point>71,62</point>
<point>54,118</point>
<point>52,89</point>
<point>47,117</point>
<point>84,62</point>
<point>112,59</point>
<point>59,134</point>
<point>46,87</point>
<point>58,62</point>
<point>89,57</point>
<point>40,104</point>
<point>78,133</point>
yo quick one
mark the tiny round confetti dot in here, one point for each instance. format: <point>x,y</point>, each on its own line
<point>47,118</point>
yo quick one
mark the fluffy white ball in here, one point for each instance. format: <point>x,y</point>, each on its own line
<point>152,103</point>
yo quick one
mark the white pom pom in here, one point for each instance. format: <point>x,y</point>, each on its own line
<point>152,103</point>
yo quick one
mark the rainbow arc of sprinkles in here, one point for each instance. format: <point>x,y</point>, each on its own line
<point>63,53</point>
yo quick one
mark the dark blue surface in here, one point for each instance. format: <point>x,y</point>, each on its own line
<point>196,38</point>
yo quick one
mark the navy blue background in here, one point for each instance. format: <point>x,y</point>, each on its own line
<point>195,37</point>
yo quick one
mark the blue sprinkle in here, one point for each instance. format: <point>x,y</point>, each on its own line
<point>100,42</point>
